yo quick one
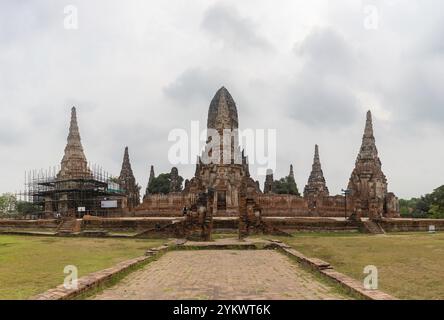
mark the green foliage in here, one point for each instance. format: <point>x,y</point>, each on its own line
<point>7,203</point>
<point>162,184</point>
<point>24,208</point>
<point>436,200</point>
<point>10,206</point>
<point>403,261</point>
<point>31,265</point>
<point>285,185</point>
<point>114,180</point>
<point>429,206</point>
<point>413,208</point>
<point>404,207</point>
<point>436,212</point>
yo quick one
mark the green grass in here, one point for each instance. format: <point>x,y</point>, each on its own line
<point>32,264</point>
<point>410,265</point>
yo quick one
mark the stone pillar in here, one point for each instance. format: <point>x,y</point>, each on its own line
<point>243,215</point>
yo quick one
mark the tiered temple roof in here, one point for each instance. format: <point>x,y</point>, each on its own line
<point>316,185</point>
<point>151,178</point>
<point>127,181</point>
<point>269,180</point>
<point>368,184</point>
<point>74,164</point>
<point>368,165</point>
<point>222,116</point>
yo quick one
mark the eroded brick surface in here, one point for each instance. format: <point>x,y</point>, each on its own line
<point>221,274</point>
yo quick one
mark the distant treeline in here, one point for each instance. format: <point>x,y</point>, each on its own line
<point>428,206</point>
<point>10,207</point>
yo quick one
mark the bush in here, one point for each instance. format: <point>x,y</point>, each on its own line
<point>285,185</point>
<point>429,206</point>
<point>162,184</point>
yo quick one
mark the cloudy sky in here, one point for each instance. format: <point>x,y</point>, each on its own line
<point>137,69</point>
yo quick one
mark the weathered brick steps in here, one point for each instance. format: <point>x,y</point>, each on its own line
<point>325,269</point>
<point>94,280</point>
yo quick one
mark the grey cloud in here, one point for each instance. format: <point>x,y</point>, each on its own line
<point>225,23</point>
<point>22,19</point>
<point>426,100</point>
<point>115,73</point>
<point>321,94</point>
<point>326,51</point>
<point>10,133</point>
<point>418,98</point>
<point>196,85</point>
<point>322,102</point>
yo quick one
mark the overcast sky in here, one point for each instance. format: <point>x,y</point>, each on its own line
<point>137,69</point>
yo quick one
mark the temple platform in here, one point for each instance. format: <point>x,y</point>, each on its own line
<point>134,225</point>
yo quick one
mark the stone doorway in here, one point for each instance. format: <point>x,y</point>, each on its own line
<point>221,200</point>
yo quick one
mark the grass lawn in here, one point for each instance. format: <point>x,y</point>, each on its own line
<point>410,265</point>
<point>32,264</point>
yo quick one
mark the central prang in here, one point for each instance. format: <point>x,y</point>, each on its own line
<point>222,167</point>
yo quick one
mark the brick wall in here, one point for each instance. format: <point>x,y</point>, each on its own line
<point>311,224</point>
<point>405,225</point>
<point>31,224</point>
<point>123,224</point>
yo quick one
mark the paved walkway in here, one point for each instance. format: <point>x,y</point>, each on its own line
<point>220,274</point>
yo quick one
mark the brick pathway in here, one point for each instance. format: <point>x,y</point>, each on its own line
<point>221,274</point>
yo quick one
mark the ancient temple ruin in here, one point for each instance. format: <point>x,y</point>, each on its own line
<point>222,167</point>
<point>316,187</point>
<point>368,184</point>
<point>75,189</point>
<point>128,183</point>
<point>291,174</point>
<point>74,164</point>
<point>150,179</point>
<point>176,183</point>
<point>222,177</point>
<point>269,180</point>
<point>227,175</point>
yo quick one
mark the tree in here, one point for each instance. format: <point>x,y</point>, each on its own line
<point>162,184</point>
<point>24,208</point>
<point>436,200</point>
<point>436,212</point>
<point>7,203</point>
<point>428,206</point>
<point>405,207</point>
<point>285,185</point>
<point>114,180</point>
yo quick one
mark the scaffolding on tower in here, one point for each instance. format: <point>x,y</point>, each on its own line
<point>96,193</point>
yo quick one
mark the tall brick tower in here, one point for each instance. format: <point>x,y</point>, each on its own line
<point>222,166</point>
<point>368,184</point>
<point>316,186</point>
<point>127,181</point>
<point>151,178</point>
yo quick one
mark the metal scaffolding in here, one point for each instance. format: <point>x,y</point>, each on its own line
<point>77,196</point>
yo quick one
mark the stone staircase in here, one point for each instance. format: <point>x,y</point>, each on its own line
<point>69,226</point>
<point>373,227</point>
